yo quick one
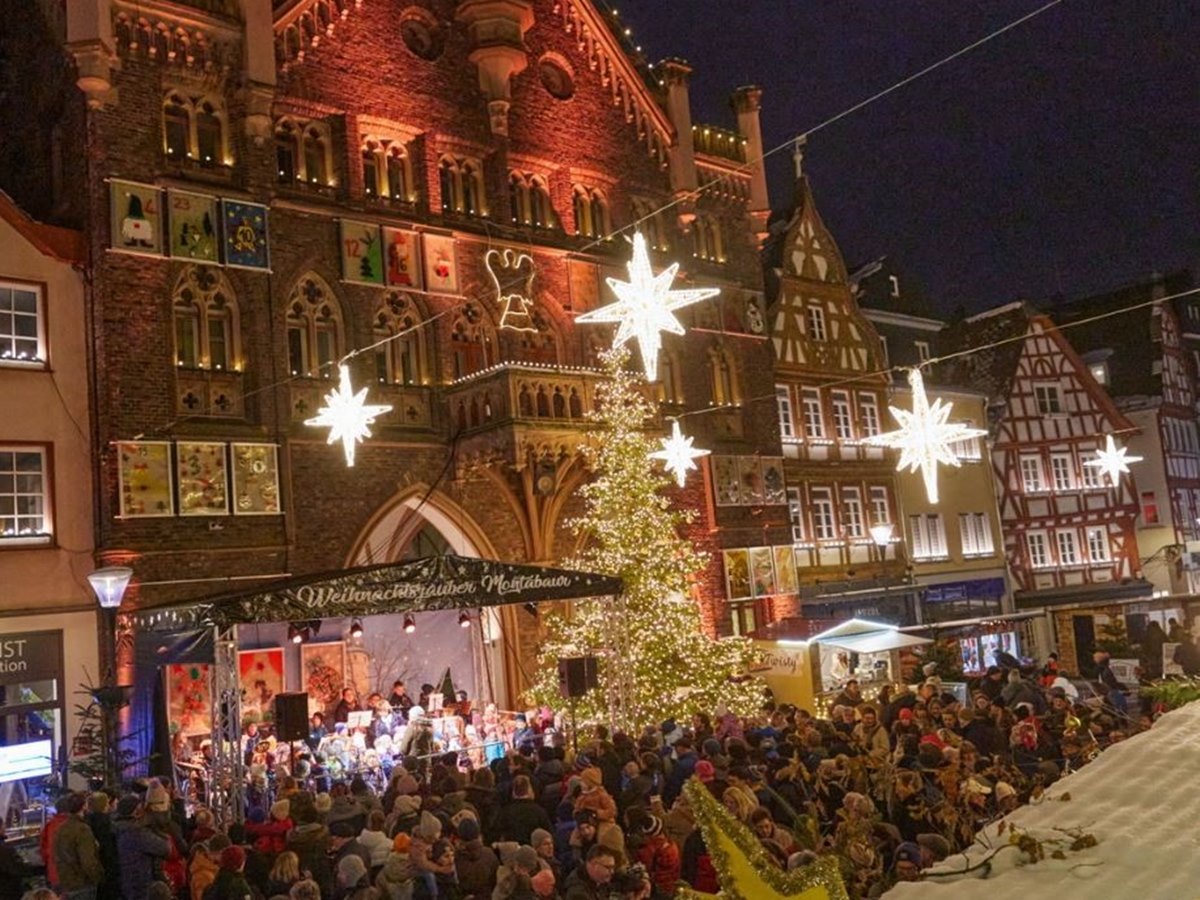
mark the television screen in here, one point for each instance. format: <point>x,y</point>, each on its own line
<point>31,760</point>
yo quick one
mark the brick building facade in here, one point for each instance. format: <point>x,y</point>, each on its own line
<point>268,188</point>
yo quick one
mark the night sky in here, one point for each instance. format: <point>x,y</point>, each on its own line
<point>1061,157</point>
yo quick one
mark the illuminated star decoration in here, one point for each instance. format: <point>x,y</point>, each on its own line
<point>346,414</point>
<point>925,437</point>
<point>677,454</point>
<point>1112,460</point>
<point>645,306</point>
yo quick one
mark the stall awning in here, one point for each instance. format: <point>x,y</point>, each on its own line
<point>875,642</point>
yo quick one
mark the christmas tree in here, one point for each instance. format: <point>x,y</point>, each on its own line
<point>654,660</point>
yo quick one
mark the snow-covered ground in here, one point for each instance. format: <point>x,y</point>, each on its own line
<point>1140,799</point>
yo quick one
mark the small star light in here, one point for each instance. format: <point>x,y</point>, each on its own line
<point>347,415</point>
<point>677,454</point>
<point>1112,460</point>
<point>645,306</point>
<point>924,437</point>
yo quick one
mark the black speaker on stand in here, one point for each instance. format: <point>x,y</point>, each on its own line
<point>576,676</point>
<point>291,717</point>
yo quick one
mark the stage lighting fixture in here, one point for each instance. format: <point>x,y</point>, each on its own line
<point>295,634</point>
<point>464,620</point>
<point>532,609</point>
<point>356,629</point>
<point>410,624</point>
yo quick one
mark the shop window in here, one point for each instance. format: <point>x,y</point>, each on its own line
<point>22,325</point>
<point>24,495</point>
<point>314,329</point>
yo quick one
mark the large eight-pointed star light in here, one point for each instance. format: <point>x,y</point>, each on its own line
<point>346,414</point>
<point>925,437</point>
<point>678,454</point>
<point>1112,460</point>
<point>645,306</point>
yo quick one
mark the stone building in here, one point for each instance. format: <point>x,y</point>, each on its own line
<point>429,191</point>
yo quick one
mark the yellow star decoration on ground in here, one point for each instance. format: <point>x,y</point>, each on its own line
<point>645,306</point>
<point>678,454</point>
<point>924,437</point>
<point>744,869</point>
<point>1112,460</point>
<point>346,414</point>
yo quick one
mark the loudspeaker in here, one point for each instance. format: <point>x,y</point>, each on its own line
<point>291,717</point>
<point>576,675</point>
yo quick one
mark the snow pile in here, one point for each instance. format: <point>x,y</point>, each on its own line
<point>1139,799</point>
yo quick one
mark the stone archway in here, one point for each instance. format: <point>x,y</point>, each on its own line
<point>395,526</point>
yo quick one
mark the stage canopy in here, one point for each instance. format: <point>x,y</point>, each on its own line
<point>432,583</point>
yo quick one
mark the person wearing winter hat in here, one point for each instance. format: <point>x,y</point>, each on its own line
<point>351,875</point>
<point>375,840</point>
<point>660,857</point>
<point>206,864</point>
<point>427,833</point>
<point>906,862</point>
<point>1006,797</point>
<point>594,796</point>
<point>522,815</point>
<point>475,864</point>
<point>309,839</point>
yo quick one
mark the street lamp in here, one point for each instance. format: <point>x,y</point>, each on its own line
<point>881,534</point>
<point>109,586</point>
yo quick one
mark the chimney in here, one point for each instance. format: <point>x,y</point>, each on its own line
<point>747,101</point>
<point>676,73</point>
<point>496,32</point>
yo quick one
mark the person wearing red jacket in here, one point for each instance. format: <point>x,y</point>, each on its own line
<point>46,845</point>
<point>270,836</point>
<point>660,857</point>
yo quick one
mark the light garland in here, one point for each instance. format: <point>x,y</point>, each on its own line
<point>678,454</point>
<point>745,870</point>
<point>924,437</point>
<point>346,414</point>
<point>1112,460</point>
<point>645,306</point>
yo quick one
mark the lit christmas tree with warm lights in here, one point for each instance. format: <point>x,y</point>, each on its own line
<point>654,661</point>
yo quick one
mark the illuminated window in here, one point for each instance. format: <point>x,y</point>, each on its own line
<point>842,424</point>
<point>24,495</point>
<point>1061,471</point>
<point>461,183</point>
<point>402,358</point>
<point>976,532</point>
<point>22,325</point>
<point>928,536</point>
<point>210,135</point>
<point>816,323</point>
<point>194,128</point>
<point>1091,476</point>
<point>814,423</point>
<point>783,402</point>
<point>177,127</point>
<point>821,501</point>
<point>796,514</point>
<point>472,342</point>
<point>303,153</point>
<point>1098,550</point>
<point>1031,474</point>
<point>648,220</point>
<point>722,377</point>
<point>668,378</point>
<point>314,329</point>
<point>1068,548</point>
<point>1039,558</point>
<point>591,212</point>
<point>880,509</point>
<point>868,414</point>
<point>852,513</point>
<point>207,334</point>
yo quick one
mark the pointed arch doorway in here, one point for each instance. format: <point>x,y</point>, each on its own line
<point>418,522</point>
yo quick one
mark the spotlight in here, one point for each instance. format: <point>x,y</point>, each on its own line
<point>464,620</point>
<point>356,629</point>
<point>531,608</point>
<point>410,624</point>
<point>295,634</point>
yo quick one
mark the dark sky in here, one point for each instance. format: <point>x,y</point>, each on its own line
<point>1063,156</point>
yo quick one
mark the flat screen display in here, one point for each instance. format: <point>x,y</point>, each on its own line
<point>30,760</point>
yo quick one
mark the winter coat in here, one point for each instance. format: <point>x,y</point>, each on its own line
<point>106,839</point>
<point>229,886</point>
<point>579,887</point>
<point>685,766</point>
<point>13,872</point>
<point>406,812</point>
<point>141,852</point>
<point>269,837</point>
<point>311,843</point>
<point>598,801</point>
<point>395,881</point>
<point>476,866</point>
<point>662,862</point>
<point>47,846</point>
<point>77,856</point>
<point>518,819</point>
<point>202,873</point>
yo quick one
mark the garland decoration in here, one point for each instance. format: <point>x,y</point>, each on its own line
<point>744,868</point>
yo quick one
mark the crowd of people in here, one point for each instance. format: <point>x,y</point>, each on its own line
<point>889,787</point>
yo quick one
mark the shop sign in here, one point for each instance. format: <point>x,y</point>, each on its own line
<point>30,656</point>
<point>779,661</point>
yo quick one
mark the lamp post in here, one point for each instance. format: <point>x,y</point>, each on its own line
<point>109,586</point>
<point>881,534</point>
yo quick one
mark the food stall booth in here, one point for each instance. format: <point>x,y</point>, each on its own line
<point>807,662</point>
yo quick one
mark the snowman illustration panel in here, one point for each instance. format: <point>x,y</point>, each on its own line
<point>194,226</point>
<point>136,218</point>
